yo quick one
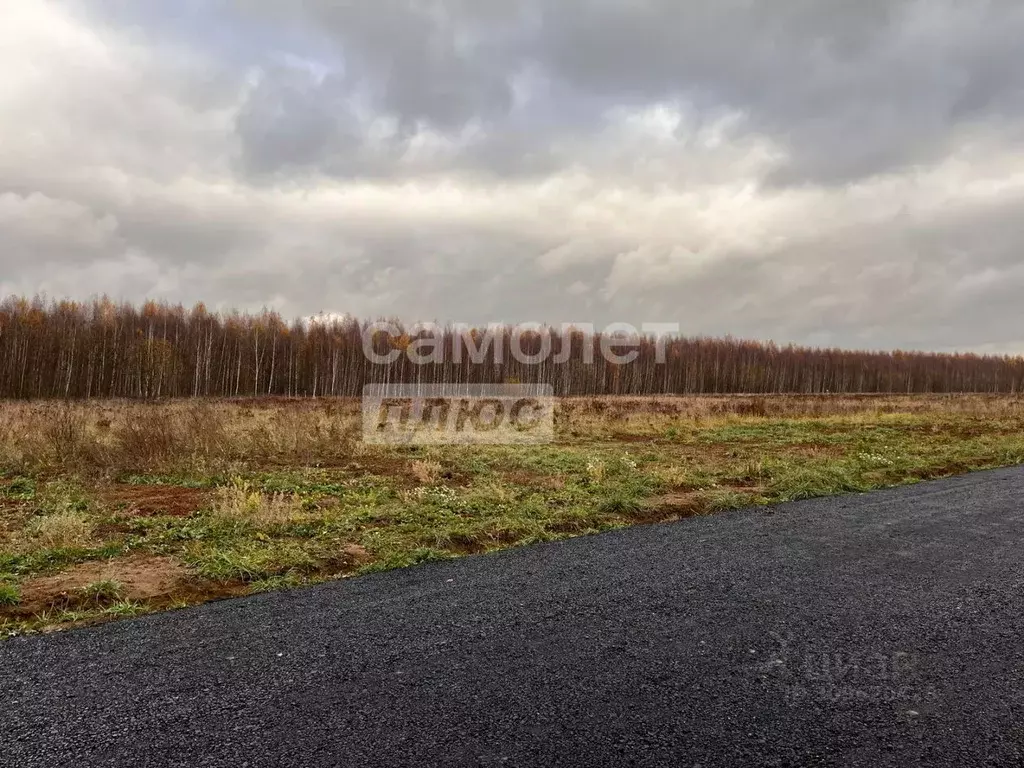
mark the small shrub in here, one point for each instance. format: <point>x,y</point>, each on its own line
<point>65,434</point>
<point>147,437</point>
<point>205,431</point>
<point>758,408</point>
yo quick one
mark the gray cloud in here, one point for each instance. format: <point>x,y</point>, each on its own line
<point>822,172</point>
<point>848,89</point>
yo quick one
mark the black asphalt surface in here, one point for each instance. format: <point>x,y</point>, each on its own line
<point>878,629</point>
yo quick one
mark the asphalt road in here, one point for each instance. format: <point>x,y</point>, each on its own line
<point>879,629</point>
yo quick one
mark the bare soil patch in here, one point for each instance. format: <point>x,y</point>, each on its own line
<point>153,500</point>
<point>356,554</point>
<point>399,470</point>
<point>142,577</point>
<point>630,437</point>
<point>678,504</point>
<point>394,467</point>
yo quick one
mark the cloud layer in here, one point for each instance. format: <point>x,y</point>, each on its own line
<point>819,172</point>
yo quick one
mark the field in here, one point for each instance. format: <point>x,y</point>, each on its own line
<point>111,509</point>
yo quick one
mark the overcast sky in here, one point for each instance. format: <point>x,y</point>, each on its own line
<point>832,172</point>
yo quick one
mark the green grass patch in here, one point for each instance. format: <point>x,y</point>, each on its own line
<point>18,489</point>
<point>105,592</point>
<point>9,594</point>
<point>245,560</point>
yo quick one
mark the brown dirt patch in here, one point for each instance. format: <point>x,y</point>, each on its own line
<point>633,437</point>
<point>394,467</point>
<point>107,531</point>
<point>153,500</point>
<point>12,519</point>
<point>143,577</point>
<point>745,484</point>
<point>356,554</point>
<point>670,506</point>
<point>6,502</point>
<point>399,470</point>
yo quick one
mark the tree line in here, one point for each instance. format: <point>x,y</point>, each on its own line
<point>104,349</point>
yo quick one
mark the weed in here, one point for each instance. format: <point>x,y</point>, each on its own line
<point>875,459</point>
<point>123,609</point>
<point>619,504</point>
<point>416,556</point>
<point>102,592</point>
<point>426,471</point>
<point>19,489</point>
<point>628,462</point>
<point>240,501</point>
<point>723,499</point>
<point>273,583</point>
<point>246,560</point>
<point>9,594</point>
<point>63,530</point>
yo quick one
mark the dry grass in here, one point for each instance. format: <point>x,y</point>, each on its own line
<point>61,530</point>
<point>186,501</point>
<point>97,437</point>
<point>427,471</point>
<point>704,407</point>
<point>240,501</point>
<point>108,435</point>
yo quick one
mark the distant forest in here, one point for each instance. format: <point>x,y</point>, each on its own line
<point>103,349</point>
